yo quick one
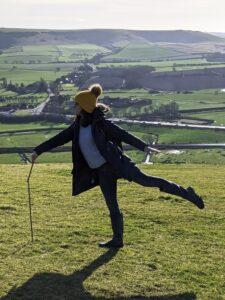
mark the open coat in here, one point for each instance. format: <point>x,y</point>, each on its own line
<point>108,138</point>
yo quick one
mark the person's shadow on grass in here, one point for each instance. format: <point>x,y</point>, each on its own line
<point>48,286</point>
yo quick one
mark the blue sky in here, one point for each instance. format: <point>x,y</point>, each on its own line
<point>204,15</point>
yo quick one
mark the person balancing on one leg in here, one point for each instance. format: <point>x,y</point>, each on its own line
<point>99,159</point>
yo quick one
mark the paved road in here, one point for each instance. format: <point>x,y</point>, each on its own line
<point>169,125</point>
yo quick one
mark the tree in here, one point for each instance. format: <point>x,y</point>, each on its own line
<point>4,83</point>
<point>167,111</point>
<point>42,86</point>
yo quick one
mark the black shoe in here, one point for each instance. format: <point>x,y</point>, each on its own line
<point>188,194</point>
<point>113,243</point>
<point>117,228</point>
<point>194,198</point>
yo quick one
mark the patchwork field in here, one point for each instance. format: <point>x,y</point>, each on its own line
<point>50,53</point>
<point>28,64</point>
<point>166,65</point>
<point>142,52</point>
<point>192,100</point>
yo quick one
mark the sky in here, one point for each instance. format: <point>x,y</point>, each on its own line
<point>203,15</point>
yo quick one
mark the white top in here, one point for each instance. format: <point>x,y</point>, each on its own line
<point>89,148</point>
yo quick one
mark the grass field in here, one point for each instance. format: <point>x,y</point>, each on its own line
<point>218,117</point>
<point>30,125</point>
<point>31,99</point>
<point>141,52</point>
<point>166,135</point>
<point>172,249</point>
<point>50,53</point>
<point>166,65</point>
<point>29,63</point>
<point>29,76</point>
<point>196,99</point>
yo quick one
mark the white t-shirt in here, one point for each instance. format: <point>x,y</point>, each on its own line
<point>89,148</point>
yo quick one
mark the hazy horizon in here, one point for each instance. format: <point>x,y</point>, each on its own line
<point>68,29</point>
<point>201,15</point>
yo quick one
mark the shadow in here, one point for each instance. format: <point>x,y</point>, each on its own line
<point>62,287</point>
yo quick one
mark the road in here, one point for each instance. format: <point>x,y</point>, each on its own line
<point>169,125</point>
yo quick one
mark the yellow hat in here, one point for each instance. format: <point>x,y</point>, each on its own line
<point>87,99</point>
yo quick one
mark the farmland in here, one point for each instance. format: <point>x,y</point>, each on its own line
<point>172,249</point>
<point>28,63</point>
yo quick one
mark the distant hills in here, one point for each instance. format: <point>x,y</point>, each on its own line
<point>218,34</point>
<point>109,38</point>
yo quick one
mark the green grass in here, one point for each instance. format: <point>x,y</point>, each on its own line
<point>218,117</point>
<point>26,140</point>
<point>197,99</point>
<point>50,53</point>
<point>207,156</point>
<point>79,52</point>
<point>30,125</point>
<point>67,67</point>
<point>29,76</point>
<point>140,52</point>
<point>166,65</point>
<point>68,89</point>
<point>31,99</point>
<point>171,247</point>
<point>173,136</point>
<point>29,63</point>
<point>166,135</point>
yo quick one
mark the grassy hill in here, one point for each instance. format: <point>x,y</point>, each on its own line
<point>172,249</point>
<point>102,37</point>
<point>140,52</point>
<point>49,53</point>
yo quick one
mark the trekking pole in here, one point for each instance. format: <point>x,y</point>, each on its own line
<point>29,198</point>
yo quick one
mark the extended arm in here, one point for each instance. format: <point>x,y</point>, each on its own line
<point>119,133</point>
<point>59,139</point>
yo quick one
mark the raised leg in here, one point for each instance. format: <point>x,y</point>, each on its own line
<point>166,186</point>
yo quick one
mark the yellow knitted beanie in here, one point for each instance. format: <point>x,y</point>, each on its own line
<point>87,99</point>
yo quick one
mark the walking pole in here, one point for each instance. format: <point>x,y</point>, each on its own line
<point>29,197</point>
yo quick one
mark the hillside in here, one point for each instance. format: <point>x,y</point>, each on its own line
<point>172,249</point>
<point>102,37</point>
<point>218,34</point>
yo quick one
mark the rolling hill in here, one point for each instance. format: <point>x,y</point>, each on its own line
<point>103,37</point>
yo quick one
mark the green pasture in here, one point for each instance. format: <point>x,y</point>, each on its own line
<point>140,52</point>
<point>218,117</point>
<point>30,63</point>
<point>50,53</point>
<point>166,135</point>
<point>146,133</point>
<point>79,52</point>
<point>31,99</point>
<point>172,249</point>
<point>30,125</point>
<point>54,66</point>
<point>68,89</point>
<point>166,65</point>
<point>196,99</point>
<point>30,76</point>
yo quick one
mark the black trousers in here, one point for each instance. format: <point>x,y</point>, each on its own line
<point>108,185</point>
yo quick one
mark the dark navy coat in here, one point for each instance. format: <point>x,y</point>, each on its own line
<point>108,138</point>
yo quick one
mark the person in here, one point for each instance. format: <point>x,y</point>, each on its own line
<point>99,159</point>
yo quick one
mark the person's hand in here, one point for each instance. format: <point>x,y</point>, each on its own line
<point>149,149</point>
<point>33,156</point>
